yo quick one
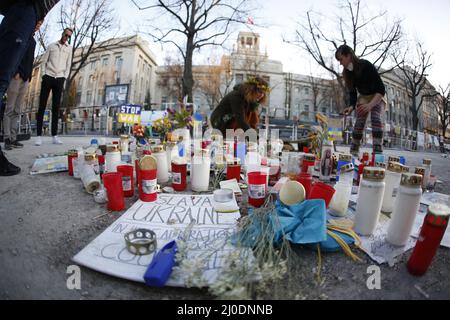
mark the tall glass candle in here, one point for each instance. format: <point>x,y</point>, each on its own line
<point>161,163</point>
<point>341,198</point>
<point>124,142</point>
<point>112,158</point>
<point>369,201</point>
<point>393,176</point>
<point>346,173</point>
<point>426,178</point>
<point>326,161</point>
<point>200,172</point>
<point>406,206</point>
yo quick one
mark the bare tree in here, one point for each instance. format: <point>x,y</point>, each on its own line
<point>89,20</point>
<point>442,106</point>
<point>192,25</point>
<point>170,78</point>
<point>414,74</point>
<point>319,91</point>
<point>42,38</point>
<point>371,36</point>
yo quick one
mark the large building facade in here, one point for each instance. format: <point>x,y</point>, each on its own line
<point>124,61</point>
<point>129,62</point>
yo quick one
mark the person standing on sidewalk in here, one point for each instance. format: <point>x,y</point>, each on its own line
<point>56,64</point>
<point>16,94</point>
<point>16,29</point>
<point>361,77</point>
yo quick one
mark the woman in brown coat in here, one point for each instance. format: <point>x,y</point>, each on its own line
<point>239,108</point>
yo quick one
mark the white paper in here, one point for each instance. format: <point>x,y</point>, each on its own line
<point>231,184</point>
<point>433,197</point>
<point>50,165</point>
<point>379,249</point>
<point>167,217</point>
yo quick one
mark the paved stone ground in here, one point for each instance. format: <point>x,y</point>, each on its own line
<point>47,219</point>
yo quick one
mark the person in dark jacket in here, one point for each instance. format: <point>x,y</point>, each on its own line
<point>361,77</point>
<point>239,108</point>
<point>16,29</point>
<point>16,94</point>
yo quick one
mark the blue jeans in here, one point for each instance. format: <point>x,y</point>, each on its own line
<point>16,30</point>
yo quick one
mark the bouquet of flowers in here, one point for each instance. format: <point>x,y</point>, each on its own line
<point>181,118</point>
<point>138,131</point>
<point>163,126</point>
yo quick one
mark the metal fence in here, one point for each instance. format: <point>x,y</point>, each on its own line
<point>103,121</point>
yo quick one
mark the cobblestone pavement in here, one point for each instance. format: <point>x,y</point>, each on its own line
<point>47,219</point>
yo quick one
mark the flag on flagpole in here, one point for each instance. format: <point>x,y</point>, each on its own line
<point>250,20</point>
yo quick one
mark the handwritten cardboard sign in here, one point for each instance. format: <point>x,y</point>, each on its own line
<point>167,217</point>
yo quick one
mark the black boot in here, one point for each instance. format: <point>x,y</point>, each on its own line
<point>7,168</point>
<point>16,144</point>
<point>8,144</point>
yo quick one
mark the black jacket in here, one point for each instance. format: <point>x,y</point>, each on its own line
<point>42,7</point>
<point>366,81</point>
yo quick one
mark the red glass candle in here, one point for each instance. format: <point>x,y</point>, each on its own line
<point>147,185</point>
<point>127,180</point>
<point>308,163</point>
<point>113,186</point>
<point>234,172</point>
<point>306,180</point>
<point>257,188</point>
<point>179,174</point>
<point>72,154</point>
<point>431,234</point>
<point>323,191</point>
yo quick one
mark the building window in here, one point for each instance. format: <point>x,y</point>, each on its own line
<point>118,62</point>
<point>105,62</point>
<point>306,90</point>
<point>89,97</point>
<point>239,78</point>
<point>93,64</point>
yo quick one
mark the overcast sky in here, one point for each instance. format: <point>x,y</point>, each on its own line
<point>427,20</point>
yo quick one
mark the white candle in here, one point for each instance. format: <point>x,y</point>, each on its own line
<point>161,164</point>
<point>339,202</point>
<point>370,197</point>
<point>200,170</point>
<point>406,207</point>
<point>393,176</point>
